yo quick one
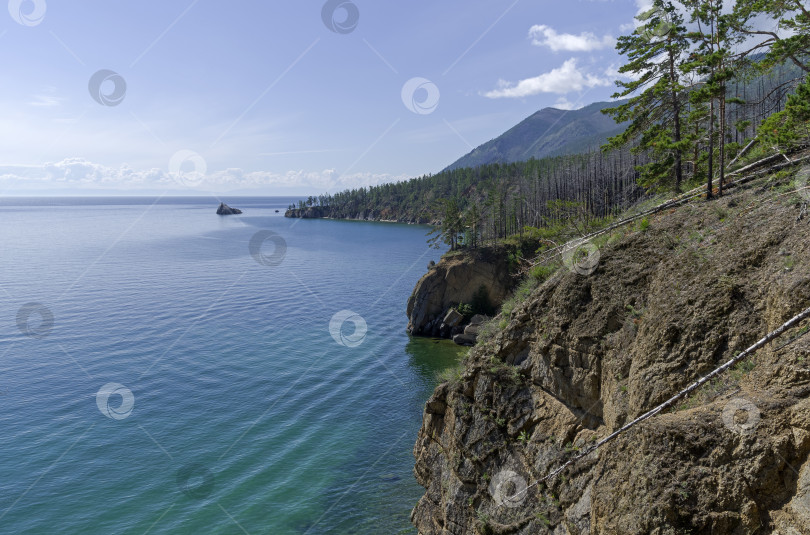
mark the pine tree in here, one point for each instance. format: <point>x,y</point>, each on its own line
<point>712,60</point>
<point>451,227</point>
<point>472,220</point>
<point>791,127</point>
<point>655,112</point>
<point>793,18</point>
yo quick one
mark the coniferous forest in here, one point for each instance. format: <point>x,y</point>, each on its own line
<point>700,83</point>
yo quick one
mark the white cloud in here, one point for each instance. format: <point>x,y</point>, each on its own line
<point>81,175</point>
<point>543,35</point>
<point>561,80</point>
<point>613,73</point>
<point>642,7</point>
<point>565,104</point>
<point>46,101</point>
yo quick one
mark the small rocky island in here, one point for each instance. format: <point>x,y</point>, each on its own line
<point>224,209</point>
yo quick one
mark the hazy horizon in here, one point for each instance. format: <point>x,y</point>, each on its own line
<point>298,99</point>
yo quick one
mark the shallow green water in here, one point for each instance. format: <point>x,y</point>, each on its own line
<point>248,415</point>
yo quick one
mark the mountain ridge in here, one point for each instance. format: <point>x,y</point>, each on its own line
<point>547,132</point>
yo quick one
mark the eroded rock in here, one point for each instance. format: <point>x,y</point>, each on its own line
<point>586,354</point>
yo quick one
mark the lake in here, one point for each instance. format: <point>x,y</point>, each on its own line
<point>168,370</point>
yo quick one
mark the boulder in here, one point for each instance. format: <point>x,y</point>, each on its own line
<point>224,209</point>
<point>472,330</point>
<point>453,318</point>
<point>479,319</point>
<point>465,339</point>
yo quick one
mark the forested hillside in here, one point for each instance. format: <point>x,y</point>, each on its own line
<point>549,132</point>
<point>495,199</point>
<point>652,377</point>
<point>697,86</point>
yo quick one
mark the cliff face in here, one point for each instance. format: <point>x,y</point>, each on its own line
<point>586,354</point>
<point>454,280</point>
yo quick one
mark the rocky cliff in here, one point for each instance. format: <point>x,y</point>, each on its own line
<point>667,302</point>
<point>456,279</point>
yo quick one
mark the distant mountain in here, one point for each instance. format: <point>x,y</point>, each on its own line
<point>549,132</point>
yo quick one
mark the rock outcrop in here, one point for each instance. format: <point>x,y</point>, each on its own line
<point>454,280</point>
<point>224,209</point>
<point>584,355</point>
<point>471,331</point>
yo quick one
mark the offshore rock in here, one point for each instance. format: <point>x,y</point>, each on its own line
<point>224,209</point>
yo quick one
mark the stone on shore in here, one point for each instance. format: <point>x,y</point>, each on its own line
<point>465,339</point>
<point>453,318</point>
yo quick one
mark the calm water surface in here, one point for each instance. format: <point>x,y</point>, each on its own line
<point>231,407</point>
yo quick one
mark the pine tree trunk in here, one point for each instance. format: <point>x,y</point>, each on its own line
<point>722,161</point>
<point>711,151</point>
<point>676,109</point>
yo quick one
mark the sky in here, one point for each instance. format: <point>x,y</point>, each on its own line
<point>269,97</point>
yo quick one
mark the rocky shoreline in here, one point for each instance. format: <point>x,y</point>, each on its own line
<point>480,280</point>
<point>584,354</point>
<point>319,212</point>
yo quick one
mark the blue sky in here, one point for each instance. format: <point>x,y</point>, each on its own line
<point>276,98</point>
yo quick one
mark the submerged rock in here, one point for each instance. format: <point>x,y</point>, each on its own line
<point>224,209</point>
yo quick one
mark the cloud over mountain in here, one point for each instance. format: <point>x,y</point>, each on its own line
<point>564,79</point>
<point>546,36</point>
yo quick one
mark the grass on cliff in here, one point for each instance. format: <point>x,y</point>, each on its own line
<point>545,239</point>
<point>451,375</point>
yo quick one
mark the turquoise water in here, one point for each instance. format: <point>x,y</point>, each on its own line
<point>231,408</point>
